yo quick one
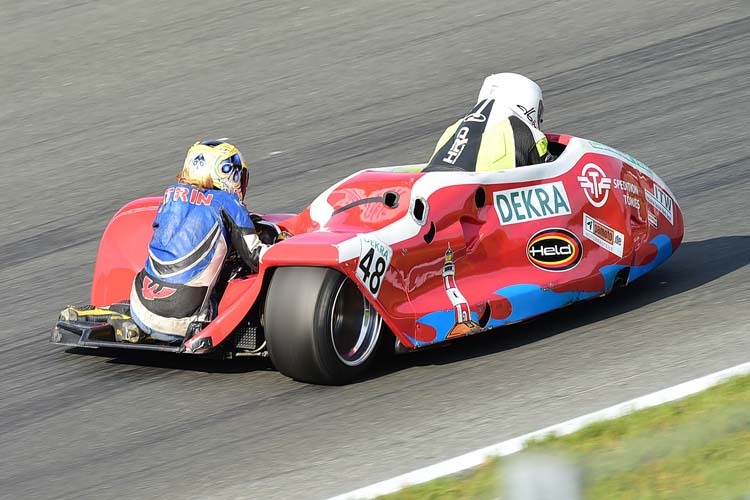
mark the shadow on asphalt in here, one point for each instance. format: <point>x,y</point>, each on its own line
<point>178,361</point>
<point>694,264</point>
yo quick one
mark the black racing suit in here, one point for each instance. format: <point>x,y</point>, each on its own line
<point>491,137</point>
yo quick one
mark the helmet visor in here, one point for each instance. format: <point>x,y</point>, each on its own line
<point>234,165</point>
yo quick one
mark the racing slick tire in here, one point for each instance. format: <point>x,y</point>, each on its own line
<point>319,327</point>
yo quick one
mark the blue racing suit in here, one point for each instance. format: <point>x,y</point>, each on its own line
<point>194,230</point>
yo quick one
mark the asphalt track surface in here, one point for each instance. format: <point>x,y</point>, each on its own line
<point>99,101</point>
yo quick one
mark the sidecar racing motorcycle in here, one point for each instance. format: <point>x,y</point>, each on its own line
<point>425,257</point>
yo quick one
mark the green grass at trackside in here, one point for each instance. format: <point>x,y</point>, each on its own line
<point>697,447</point>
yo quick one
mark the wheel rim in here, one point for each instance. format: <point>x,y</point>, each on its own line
<point>355,325</point>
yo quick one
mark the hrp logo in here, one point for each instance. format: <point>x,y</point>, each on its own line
<point>459,143</point>
<point>595,184</point>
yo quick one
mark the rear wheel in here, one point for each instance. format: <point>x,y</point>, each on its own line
<point>319,327</point>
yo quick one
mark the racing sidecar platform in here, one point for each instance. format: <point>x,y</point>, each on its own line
<point>97,334</point>
<point>426,257</point>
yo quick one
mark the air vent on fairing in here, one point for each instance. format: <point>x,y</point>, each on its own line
<point>390,199</point>
<point>419,210</point>
<point>430,235</point>
<point>480,198</point>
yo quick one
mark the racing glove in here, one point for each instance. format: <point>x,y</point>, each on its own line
<point>267,231</point>
<point>246,242</point>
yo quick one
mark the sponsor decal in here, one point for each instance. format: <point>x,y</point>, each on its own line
<point>653,219</point>
<point>464,324</point>
<point>462,148</point>
<point>626,186</point>
<point>153,291</point>
<point>631,160</point>
<point>632,202</point>
<point>661,201</point>
<point>529,114</point>
<point>554,250</point>
<point>631,192</point>
<point>199,161</point>
<point>595,184</point>
<point>459,143</point>
<point>477,115</point>
<point>531,203</point>
<point>611,240</point>
<point>187,195</point>
<point>374,259</point>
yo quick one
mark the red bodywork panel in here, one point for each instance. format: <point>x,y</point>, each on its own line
<point>123,250</point>
<point>446,254</point>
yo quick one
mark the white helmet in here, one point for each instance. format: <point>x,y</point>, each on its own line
<point>515,91</point>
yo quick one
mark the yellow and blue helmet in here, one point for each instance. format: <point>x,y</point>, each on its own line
<point>215,165</point>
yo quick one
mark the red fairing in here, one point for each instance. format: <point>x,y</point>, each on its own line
<point>306,249</point>
<point>446,254</point>
<point>490,240</point>
<point>237,300</point>
<point>123,251</point>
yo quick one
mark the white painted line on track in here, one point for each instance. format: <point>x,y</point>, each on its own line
<point>476,458</point>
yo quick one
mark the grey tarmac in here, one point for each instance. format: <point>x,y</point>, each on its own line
<point>100,100</point>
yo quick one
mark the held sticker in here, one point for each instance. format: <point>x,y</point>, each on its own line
<point>374,259</point>
<point>603,235</point>
<point>554,249</point>
<point>661,202</point>
<point>531,203</point>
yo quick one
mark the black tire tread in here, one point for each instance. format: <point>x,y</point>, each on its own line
<point>297,311</point>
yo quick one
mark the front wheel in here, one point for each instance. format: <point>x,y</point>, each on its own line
<point>319,327</point>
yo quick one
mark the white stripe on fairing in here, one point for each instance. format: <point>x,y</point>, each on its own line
<point>638,165</point>
<point>320,210</point>
<point>407,227</point>
<point>476,458</point>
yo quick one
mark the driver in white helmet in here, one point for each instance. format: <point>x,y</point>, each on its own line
<point>500,133</point>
